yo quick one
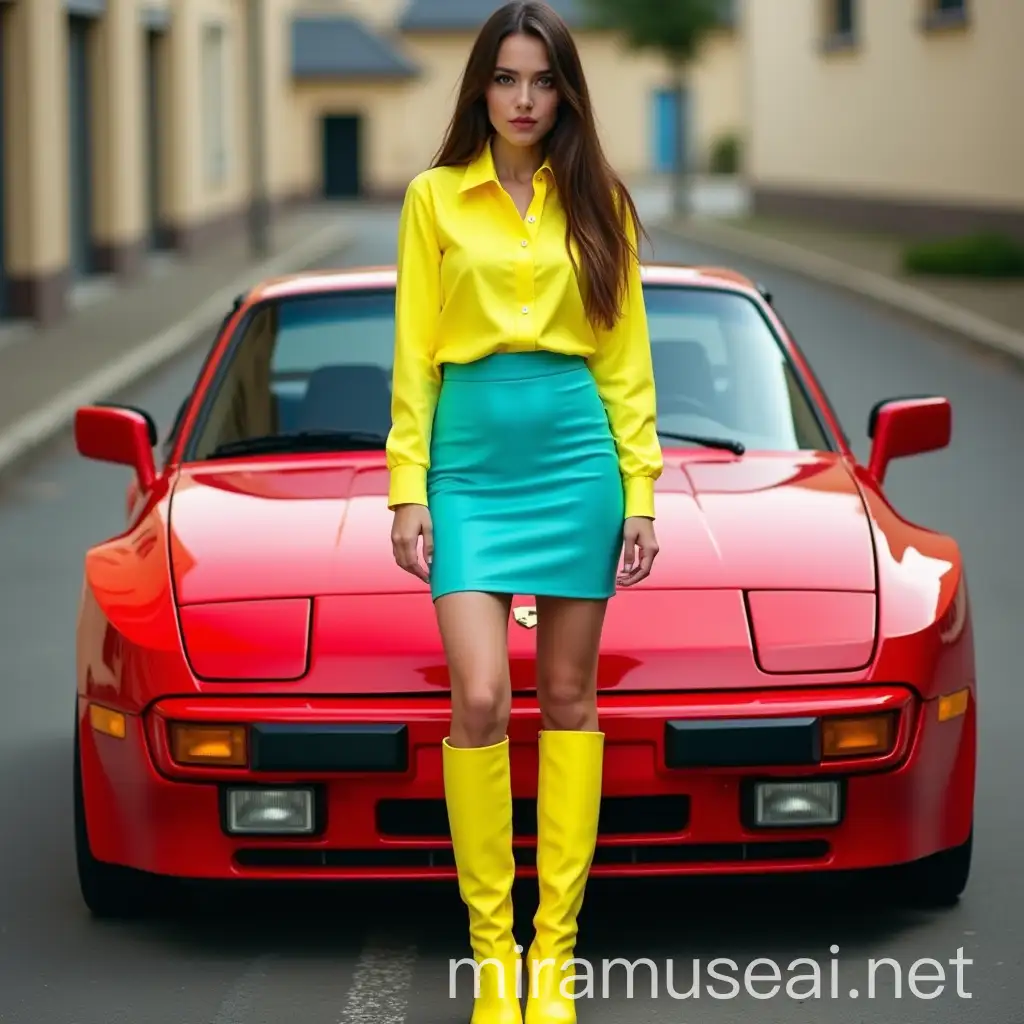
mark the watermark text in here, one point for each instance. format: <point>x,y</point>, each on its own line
<point>721,978</point>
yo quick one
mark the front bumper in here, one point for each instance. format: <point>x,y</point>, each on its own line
<point>680,772</point>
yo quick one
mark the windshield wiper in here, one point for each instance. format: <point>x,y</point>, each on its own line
<point>736,447</point>
<point>302,441</point>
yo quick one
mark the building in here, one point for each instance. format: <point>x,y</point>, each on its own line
<point>383,119</point>
<point>125,123</point>
<point>899,115</point>
<point>122,134</point>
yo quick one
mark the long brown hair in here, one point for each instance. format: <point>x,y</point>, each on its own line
<point>595,199</point>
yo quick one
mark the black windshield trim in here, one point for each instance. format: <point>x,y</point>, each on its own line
<point>300,442</point>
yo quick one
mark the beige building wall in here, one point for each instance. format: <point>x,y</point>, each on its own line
<point>384,146</point>
<point>35,148</point>
<point>719,89</point>
<point>404,121</point>
<point>152,152</point>
<point>197,53</point>
<point>910,123</point>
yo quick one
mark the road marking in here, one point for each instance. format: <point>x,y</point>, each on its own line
<point>49,419</point>
<point>237,1006</point>
<point>380,986</point>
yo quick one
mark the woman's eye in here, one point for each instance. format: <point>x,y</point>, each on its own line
<point>503,79</point>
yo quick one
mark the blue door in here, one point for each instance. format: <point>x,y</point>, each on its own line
<point>670,123</point>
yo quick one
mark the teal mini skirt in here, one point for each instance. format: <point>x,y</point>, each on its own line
<point>524,487</point>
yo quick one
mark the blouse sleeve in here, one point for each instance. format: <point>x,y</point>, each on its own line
<point>623,370</point>
<point>416,380</point>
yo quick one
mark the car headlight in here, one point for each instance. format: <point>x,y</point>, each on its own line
<point>806,803</point>
<point>268,811</point>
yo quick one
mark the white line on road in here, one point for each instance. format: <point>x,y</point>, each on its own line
<point>380,986</point>
<point>238,1004</point>
<point>52,417</point>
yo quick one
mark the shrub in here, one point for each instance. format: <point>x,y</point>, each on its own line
<point>983,255</point>
<point>725,155</point>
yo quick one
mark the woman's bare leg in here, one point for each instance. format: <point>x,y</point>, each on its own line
<point>478,793</point>
<point>568,795</point>
<point>568,638</point>
<point>474,631</point>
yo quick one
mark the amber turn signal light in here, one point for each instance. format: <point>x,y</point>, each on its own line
<point>858,736</point>
<point>952,705</point>
<point>107,721</point>
<point>217,745</point>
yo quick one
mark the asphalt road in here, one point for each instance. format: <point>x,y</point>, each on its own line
<point>382,955</point>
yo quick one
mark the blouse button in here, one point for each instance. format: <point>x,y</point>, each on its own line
<point>524,243</point>
<point>532,220</point>
<point>526,309</point>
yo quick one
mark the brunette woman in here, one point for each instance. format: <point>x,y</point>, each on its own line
<point>523,458</point>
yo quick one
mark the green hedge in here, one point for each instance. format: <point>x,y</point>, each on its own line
<point>725,155</point>
<point>983,255</point>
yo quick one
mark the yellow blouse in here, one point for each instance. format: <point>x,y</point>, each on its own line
<point>474,278</point>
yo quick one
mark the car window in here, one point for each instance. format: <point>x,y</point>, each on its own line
<point>720,370</point>
<point>325,362</point>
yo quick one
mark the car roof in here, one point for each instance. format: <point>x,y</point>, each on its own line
<point>321,282</point>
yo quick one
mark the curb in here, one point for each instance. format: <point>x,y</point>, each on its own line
<point>865,283</point>
<point>48,420</point>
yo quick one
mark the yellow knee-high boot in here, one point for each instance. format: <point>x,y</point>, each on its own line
<point>568,807</point>
<point>478,794</point>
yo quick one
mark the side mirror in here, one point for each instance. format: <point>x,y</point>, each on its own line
<point>907,426</point>
<point>120,434</point>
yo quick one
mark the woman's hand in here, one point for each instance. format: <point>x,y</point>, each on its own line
<point>638,532</point>
<point>410,523</point>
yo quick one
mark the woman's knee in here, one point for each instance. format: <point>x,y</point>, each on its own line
<point>568,642</point>
<point>480,712</point>
<point>567,700</point>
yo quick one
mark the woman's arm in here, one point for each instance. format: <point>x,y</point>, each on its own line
<point>416,381</point>
<point>624,374</point>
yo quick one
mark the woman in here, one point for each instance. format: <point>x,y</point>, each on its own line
<point>524,454</point>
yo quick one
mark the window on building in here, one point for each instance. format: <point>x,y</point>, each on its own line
<point>843,18</point>
<point>215,95</point>
<point>838,24</point>
<point>941,14</point>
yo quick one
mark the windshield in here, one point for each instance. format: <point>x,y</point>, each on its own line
<point>322,365</point>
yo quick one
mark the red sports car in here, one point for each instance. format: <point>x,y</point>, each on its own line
<point>262,692</point>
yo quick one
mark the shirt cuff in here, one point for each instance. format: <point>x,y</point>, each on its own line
<point>408,486</point>
<point>639,495</point>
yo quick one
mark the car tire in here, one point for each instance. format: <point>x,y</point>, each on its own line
<point>938,880</point>
<point>108,890</point>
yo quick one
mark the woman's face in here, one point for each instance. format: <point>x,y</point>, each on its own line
<point>522,100</point>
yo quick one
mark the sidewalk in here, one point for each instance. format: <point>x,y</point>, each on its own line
<point>111,341</point>
<point>989,313</point>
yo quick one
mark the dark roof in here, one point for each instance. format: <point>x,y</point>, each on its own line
<point>469,15</point>
<point>341,47</point>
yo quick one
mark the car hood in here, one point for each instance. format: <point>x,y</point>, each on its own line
<point>265,529</point>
